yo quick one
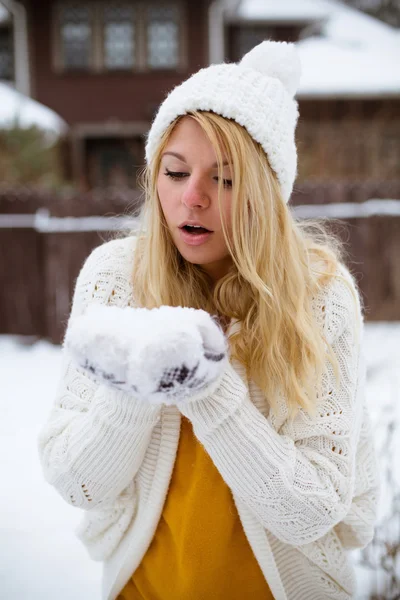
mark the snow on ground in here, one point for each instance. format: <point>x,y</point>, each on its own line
<point>382,349</point>
<point>40,558</point>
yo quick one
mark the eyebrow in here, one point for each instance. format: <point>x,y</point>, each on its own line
<point>183,159</point>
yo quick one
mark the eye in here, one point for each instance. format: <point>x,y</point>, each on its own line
<point>175,174</point>
<point>227,183</point>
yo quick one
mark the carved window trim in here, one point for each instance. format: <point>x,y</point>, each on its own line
<point>97,56</point>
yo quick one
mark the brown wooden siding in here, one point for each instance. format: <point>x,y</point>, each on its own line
<point>38,268</point>
<point>97,97</point>
<point>349,140</point>
<point>241,38</point>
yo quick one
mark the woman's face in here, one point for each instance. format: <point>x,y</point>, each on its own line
<point>187,186</point>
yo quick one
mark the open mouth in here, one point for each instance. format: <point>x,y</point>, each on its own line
<point>194,229</point>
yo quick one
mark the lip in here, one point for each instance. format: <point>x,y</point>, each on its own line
<point>194,224</point>
<point>194,239</point>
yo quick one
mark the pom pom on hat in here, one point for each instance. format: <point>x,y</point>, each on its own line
<point>276,59</point>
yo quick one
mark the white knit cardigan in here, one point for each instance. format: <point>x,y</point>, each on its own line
<point>305,490</point>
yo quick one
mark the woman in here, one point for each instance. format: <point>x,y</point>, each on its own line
<point>210,419</point>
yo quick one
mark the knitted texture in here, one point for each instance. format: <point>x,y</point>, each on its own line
<point>305,490</point>
<point>257,93</point>
<point>140,351</point>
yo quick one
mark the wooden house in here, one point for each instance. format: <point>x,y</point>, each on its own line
<point>104,67</point>
<point>6,45</point>
<point>349,95</point>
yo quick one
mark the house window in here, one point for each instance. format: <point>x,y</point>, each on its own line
<point>119,36</point>
<point>109,36</point>
<point>76,33</point>
<point>6,53</point>
<point>163,36</point>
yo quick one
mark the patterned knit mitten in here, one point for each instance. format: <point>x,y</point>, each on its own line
<point>163,355</point>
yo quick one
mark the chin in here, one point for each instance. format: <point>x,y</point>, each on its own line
<point>209,262</point>
<point>203,255</point>
<point>197,256</point>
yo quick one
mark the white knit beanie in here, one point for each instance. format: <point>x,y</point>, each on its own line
<point>258,93</point>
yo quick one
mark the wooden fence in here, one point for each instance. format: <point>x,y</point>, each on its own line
<point>41,253</point>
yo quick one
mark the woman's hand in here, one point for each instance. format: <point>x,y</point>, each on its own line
<point>164,355</point>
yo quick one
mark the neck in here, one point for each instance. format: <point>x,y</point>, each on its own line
<point>218,269</point>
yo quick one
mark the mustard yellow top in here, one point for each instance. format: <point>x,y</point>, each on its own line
<point>199,550</point>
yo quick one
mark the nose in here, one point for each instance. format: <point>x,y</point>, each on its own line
<point>195,195</point>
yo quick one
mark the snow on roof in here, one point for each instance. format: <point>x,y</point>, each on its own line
<point>17,108</point>
<point>354,55</point>
<point>332,69</point>
<point>5,16</point>
<point>280,11</point>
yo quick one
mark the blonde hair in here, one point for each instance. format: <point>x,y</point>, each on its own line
<point>279,266</point>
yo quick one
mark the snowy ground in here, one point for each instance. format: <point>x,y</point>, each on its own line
<point>40,559</point>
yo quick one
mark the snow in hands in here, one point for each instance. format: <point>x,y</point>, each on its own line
<point>163,355</point>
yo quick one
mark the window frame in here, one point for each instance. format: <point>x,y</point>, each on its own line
<point>7,29</point>
<point>57,53</point>
<point>97,54</point>
<point>101,53</point>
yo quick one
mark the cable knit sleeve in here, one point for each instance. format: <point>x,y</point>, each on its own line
<point>297,477</point>
<point>95,439</point>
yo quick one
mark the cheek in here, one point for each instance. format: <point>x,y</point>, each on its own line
<point>165,197</point>
<point>227,211</point>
